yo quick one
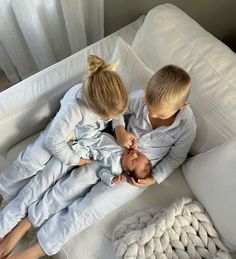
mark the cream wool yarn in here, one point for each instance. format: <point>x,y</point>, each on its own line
<point>181,231</point>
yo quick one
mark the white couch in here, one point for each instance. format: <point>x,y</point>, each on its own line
<point>167,35</point>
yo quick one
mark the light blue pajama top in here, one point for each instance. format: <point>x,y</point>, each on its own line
<point>166,146</point>
<point>109,154</point>
<point>76,119</point>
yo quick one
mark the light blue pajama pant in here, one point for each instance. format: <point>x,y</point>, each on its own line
<point>16,209</point>
<point>27,164</point>
<point>49,191</point>
<point>72,186</point>
<point>80,214</point>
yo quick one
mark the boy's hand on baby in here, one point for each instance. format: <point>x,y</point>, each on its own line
<point>142,182</point>
<point>119,179</point>
<point>84,161</point>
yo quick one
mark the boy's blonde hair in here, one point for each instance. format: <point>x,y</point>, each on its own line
<point>170,85</point>
<point>103,89</point>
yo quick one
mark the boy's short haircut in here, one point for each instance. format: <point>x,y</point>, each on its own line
<point>169,85</point>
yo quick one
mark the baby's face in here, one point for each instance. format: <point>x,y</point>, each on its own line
<point>133,160</point>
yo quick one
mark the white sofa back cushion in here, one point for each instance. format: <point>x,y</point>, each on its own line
<point>169,36</point>
<point>212,178</point>
<point>133,72</point>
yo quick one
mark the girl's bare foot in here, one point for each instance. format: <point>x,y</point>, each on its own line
<point>10,241</point>
<point>34,252</point>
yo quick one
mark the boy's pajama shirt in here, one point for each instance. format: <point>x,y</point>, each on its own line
<point>73,119</point>
<point>166,147</point>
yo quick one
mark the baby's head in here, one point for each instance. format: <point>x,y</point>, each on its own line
<point>167,91</point>
<point>135,164</point>
<point>104,91</point>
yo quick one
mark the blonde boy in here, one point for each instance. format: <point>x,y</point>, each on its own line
<point>160,120</point>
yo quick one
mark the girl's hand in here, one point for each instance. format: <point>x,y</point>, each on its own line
<point>119,179</point>
<point>84,161</point>
<point>142,182</point>
<point>125,138</point>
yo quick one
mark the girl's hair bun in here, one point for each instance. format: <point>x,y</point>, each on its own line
<point>96,64</point>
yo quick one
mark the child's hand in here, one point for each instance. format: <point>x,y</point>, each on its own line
<point>134,144</point>
<point>84,161</point>
<point>125,138</point>
<point>142,182</point>
<point>119,179</point>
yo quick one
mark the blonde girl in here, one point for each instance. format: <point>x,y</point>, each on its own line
<point>85,111</point>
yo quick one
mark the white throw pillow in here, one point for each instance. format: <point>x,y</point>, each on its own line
<point>169,36</point>
<point>212,178</point>
<point>134,73</point>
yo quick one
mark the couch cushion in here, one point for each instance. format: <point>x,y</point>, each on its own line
<point>99,236</point>
<point>212,178</point>
<point>134,73</point>
<point>169,36</point>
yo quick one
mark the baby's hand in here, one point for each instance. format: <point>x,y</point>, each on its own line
<point>125,138</point>
<point>84,161</point>
<point>119,179</point>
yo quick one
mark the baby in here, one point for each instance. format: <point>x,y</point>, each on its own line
<point>118,163</point>
<point>133,163</point>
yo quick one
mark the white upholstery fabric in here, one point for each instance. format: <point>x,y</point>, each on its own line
<point>134,73</point>
<point>169,36</point>
<point>212,178</point>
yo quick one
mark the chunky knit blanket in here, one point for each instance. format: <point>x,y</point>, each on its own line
<point>183,231</point>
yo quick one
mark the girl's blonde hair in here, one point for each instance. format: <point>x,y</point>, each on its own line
<point>170,85</point>
<point>103,89</point>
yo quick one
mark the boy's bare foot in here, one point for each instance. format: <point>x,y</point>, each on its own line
<point>34,252</point>
<point>10,241</point>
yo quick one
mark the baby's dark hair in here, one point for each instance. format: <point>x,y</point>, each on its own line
<point>143,174</point>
